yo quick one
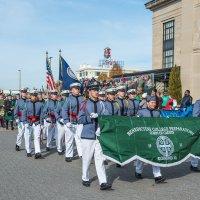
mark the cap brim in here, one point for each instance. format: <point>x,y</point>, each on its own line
<point>34,94</point>
<point>122,90</point>
<point>113,93</point>
<point>77,87</point>
<point>94,88</point>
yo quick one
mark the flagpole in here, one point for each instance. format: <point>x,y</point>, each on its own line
<point>50,61</point>
<point>46,63</point>
<point>60,56</point>
<point>60,66</point>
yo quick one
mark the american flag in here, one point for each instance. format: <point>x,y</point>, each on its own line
<point>49,76</point>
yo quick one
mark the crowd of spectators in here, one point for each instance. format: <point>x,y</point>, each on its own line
<point>143,86</point>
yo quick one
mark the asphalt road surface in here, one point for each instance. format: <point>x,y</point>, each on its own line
<point>23,178</point>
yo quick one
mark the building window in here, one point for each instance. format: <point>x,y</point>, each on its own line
<point>168,44</point>
<point>98,73</point>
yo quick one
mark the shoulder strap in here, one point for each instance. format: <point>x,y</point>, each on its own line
<point>83,105</point>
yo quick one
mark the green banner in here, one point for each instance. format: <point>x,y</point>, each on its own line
<point>161,141</point>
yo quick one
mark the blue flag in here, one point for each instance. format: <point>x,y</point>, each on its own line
<point>66,75</point>
<point>185,112</point>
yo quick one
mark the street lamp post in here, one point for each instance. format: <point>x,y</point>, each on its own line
<point>20,79</point>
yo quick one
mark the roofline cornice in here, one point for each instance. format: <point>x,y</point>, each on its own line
<point>155,4</point>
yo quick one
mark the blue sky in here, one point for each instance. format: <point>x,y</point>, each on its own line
<point>81,28</point>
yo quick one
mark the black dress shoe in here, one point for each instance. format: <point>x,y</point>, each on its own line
<point>38,156</point>
<point>105,162</point>
<point>105,186</point>
<point>194,169</point>
<point>118,166</point>
<point>160,179</point>
<point>60,153</point>
<point>68,159</point>
<point>86,183</point>
<point>48,149</point>
<point>29,155</point>
<point>17,148</point>
<point>138,176</point>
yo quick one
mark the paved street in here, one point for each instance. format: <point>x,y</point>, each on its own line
<point>24,178</point>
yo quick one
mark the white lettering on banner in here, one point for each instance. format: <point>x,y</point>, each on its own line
<point>159,130</point>
<point>167,158</point>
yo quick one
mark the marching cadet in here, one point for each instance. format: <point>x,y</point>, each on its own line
<point>102,96</point>
<point>50,119</point>
<point>45,97</point>
<point>196,113</point>
<point>33,116</point>
<point>60,124</point>
<point>40,97</point>
<point>18,115</point>
<point>133,104</point>
<point>70,111</point>
<point>123,103</point>
<point>28,95</point>
<point>150,111</point>
<point>111,106</point>
<point>88,116</point>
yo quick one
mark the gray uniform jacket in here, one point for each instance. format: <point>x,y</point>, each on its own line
<point>33,112</point>
<point>19,110</point>
<point>112,107</point>
<point>123,104</point>
<point>196,109</point>
<point>49,110</point>
<point>70,109</point>
<point>133,107</point>
<point>90,125</point>
<point>148,113</point>
<point>58,110</point>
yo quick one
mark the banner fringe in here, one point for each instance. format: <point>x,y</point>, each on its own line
<point>150,162</point>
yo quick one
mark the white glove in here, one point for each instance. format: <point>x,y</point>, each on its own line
<point>17,121</point>
<point>98,131</point>
<point>61,121</point>
<point>93,115</point>
<point>48,120</point>
<point>69,125</point>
